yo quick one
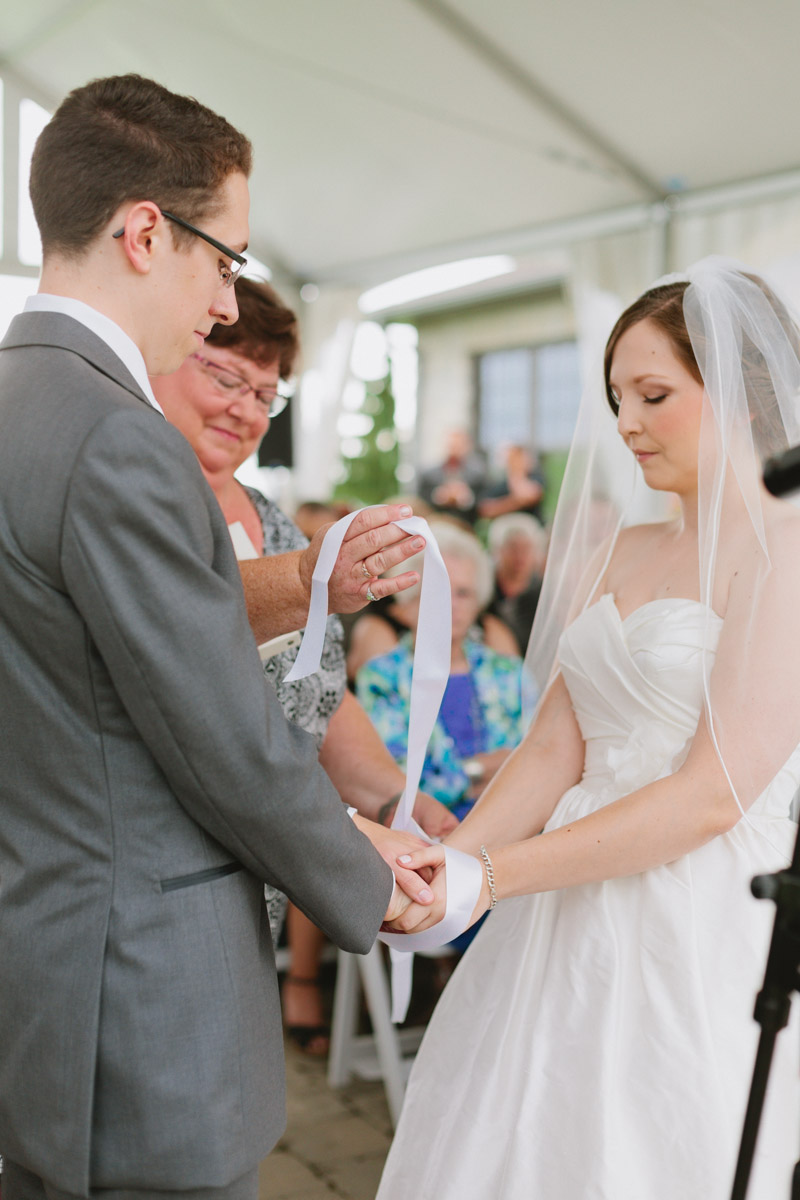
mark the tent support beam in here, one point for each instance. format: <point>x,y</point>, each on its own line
<point>552,234</point>
<point>512,73</point>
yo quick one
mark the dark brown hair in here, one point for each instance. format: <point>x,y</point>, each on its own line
<point>663,306</point>
<point>266,331</point>
<point>129,138</point>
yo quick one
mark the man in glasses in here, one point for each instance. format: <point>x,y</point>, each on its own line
<point>150,783</point>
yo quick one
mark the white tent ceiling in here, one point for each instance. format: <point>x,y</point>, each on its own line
<point>392,134</point>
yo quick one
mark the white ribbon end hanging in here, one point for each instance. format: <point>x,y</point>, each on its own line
<point>464,874</point>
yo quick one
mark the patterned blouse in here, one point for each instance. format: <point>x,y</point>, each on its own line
<point>383,686</point>
<point>310,702</point>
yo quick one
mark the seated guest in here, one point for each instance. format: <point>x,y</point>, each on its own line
<point>222,399</point>
<point>480,721</point>
<point>522,489</point>
<point>311,515</point>
<point>375,632</point>
<point>456,485</point>
<point>518,546</point>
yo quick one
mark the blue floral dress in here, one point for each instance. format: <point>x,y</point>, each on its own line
<point>494,723</point>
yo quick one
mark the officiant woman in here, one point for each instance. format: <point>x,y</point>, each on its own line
<point>223,400</point>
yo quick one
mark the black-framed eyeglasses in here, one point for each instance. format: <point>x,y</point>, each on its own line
<point>228,275</point>
<point>230,384</point>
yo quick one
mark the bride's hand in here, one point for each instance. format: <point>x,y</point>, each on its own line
<point>428,857</point>
<point>418,917</point>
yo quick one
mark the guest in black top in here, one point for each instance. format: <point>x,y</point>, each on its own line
<point>522,490</point>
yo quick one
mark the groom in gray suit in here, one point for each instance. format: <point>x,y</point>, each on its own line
<point>149,782</point>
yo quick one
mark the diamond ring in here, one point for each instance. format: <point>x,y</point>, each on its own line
<point>371,595</point>
<point>367,574</point>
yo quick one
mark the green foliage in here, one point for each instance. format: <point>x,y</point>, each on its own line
<point>370,477</point>
<point>553,465</point>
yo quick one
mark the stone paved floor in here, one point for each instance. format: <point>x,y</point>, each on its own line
<point>335,1141</point>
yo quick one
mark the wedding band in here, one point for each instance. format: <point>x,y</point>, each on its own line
<point>367,574</point>
<point>371,595</point>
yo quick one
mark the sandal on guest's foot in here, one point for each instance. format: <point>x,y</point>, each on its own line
<point>313,1039</point>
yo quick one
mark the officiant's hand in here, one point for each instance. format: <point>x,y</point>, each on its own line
<point>433,816</point>
<point>371,545</point>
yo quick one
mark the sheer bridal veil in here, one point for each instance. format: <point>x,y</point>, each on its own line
<point>747,351</point>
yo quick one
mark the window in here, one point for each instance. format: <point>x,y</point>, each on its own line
<point>20,252</point>
<point>32,120</point>
<point>529,395</point>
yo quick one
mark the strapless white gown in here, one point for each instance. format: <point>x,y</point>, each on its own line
<point>597,1043</point>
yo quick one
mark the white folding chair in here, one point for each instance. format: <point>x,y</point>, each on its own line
<point>387,1053</point>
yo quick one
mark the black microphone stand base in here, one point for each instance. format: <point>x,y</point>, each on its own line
<point>781,980</point>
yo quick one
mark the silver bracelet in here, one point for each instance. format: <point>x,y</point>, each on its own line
<point>487,862</point>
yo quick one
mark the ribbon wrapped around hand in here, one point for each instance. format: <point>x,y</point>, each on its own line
<point>428,682</point>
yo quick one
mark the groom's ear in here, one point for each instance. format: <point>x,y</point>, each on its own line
<point>143,235</point>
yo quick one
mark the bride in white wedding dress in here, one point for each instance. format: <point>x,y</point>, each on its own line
<point>596,1042</point>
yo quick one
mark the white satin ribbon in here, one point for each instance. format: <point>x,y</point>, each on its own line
<point>429,677</point>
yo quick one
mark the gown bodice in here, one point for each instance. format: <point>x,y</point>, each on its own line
<point>636,685</point>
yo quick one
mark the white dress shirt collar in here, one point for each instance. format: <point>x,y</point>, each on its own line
<point>107,330</point>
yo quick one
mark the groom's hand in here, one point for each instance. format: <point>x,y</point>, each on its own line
<point>410,885</point>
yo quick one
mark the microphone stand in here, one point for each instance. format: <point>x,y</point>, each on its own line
<point>782,975</point>
<point>781,978</point>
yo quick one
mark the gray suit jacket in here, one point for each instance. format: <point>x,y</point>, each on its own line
<point>149,783</point>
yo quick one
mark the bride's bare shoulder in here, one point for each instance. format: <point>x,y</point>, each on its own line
<point>783,529</point>
<point>741,554</point>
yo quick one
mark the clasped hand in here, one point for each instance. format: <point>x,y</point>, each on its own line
<point>419,897</point>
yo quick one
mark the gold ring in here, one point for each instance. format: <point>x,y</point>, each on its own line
<point>367,574</point>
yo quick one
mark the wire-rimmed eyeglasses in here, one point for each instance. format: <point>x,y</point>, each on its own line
<point>228,275</point>
<point>230,384</point>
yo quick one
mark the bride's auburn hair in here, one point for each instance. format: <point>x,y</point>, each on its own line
<point>663,307</point>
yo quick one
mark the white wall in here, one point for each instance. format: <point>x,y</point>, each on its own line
<point>448,344</point>
<point>14,291</point>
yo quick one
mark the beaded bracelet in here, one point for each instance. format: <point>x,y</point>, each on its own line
<point>487,862</point>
